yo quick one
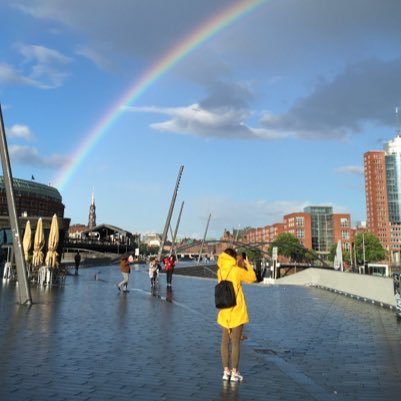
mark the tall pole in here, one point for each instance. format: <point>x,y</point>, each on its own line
<point>236,234</point>
<point>24,292</point>
<point>350,257</point>
<point>174,236</point>
<point>364,254</point>
<point>204,237</point>
<point>172,244</point>
<point>170,213</point>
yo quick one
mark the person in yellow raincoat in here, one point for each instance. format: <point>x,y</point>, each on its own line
<point>232,320</point>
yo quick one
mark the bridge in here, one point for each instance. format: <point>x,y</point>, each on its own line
<point>215,247</point>
<point>71,245</point>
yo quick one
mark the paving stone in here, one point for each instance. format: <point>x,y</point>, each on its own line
<point>87,341</point>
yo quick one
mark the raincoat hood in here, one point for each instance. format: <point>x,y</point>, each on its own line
<point>226,261</point>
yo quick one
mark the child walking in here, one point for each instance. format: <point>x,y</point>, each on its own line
<point>154,268</point>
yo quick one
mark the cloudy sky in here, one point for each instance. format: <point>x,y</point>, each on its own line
<point>268,115</point>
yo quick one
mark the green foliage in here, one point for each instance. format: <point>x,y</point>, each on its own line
<point>374,252</point>
<point>240,233</point>
<point>146,250</point>
<point>310,255</point>
<point>251,253</point>
<point>332,254</point>
<point>289,246</point>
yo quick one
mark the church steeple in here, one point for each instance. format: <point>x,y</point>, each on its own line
<point>92,212</point>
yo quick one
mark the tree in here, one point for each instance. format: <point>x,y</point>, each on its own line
<point>374,251</point>
<point>252,254</point>
<point>289,246</point>
<point>146,250</point>
<point>333,251</point>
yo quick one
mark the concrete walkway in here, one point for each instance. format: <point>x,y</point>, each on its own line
<point>88,341</point>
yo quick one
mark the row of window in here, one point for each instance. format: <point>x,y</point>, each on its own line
<point>297,221</point>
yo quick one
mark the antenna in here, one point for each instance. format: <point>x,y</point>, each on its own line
<point>397,122</point>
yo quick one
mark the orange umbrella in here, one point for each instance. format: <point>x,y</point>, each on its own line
<point>38,244</point>
<point>51,257</point>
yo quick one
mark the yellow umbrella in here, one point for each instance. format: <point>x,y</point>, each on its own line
<point>51,257</point>
<point>27,240</point>
<point>38,244</point>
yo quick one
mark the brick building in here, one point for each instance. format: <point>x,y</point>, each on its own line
<point>317,228</point>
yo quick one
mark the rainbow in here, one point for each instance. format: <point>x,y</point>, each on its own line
<point>196,38</point>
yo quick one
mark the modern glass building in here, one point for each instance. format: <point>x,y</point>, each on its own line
<point>322,227</point>
<point>383,195</point>
<point>393,177</point>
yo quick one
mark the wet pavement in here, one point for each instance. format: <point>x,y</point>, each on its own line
<point>88,341</point>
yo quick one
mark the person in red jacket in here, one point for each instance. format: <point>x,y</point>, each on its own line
<point>169,264</point>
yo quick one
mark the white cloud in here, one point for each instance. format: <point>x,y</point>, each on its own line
<point>363,92</point>
<point>9,75</point>
<point>306,25</point>
<point>224,122</point>
<point>42,55</point>
<point>352,89</point>
<point>40,67</point>
<point>45,65</point>
<point>30,156</point>
<point>357,170</point>
<point>95,57</point>
<point>20,132</point>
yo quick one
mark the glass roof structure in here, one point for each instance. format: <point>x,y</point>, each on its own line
<point>25,187</point>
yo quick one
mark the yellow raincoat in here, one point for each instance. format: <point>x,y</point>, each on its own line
<point>229,270</point>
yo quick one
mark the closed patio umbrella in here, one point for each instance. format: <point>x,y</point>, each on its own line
<point>38,244</point>
<point>51,257</point>
<point>27,240</point>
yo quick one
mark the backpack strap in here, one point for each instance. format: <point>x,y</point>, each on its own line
<point>228,273</point>
<point>236,292</point>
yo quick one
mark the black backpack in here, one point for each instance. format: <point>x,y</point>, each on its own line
<point>224,294</point>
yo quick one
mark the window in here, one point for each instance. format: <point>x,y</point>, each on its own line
<point>300,221</point>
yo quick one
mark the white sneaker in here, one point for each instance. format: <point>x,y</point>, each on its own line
<point>226,376</point>
<point>236,377</point>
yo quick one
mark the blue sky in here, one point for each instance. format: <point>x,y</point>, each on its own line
<point>270,115</point>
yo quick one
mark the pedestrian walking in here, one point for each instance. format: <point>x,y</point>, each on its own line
<point>169,265</point>
<point>232,320</point>
<point>154,268</point>
<point>77,260</point>
<point>125,270</point>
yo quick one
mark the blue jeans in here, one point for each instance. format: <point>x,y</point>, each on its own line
<point>169,275</point>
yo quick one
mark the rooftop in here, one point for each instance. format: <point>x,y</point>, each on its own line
<point>25,187</point>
